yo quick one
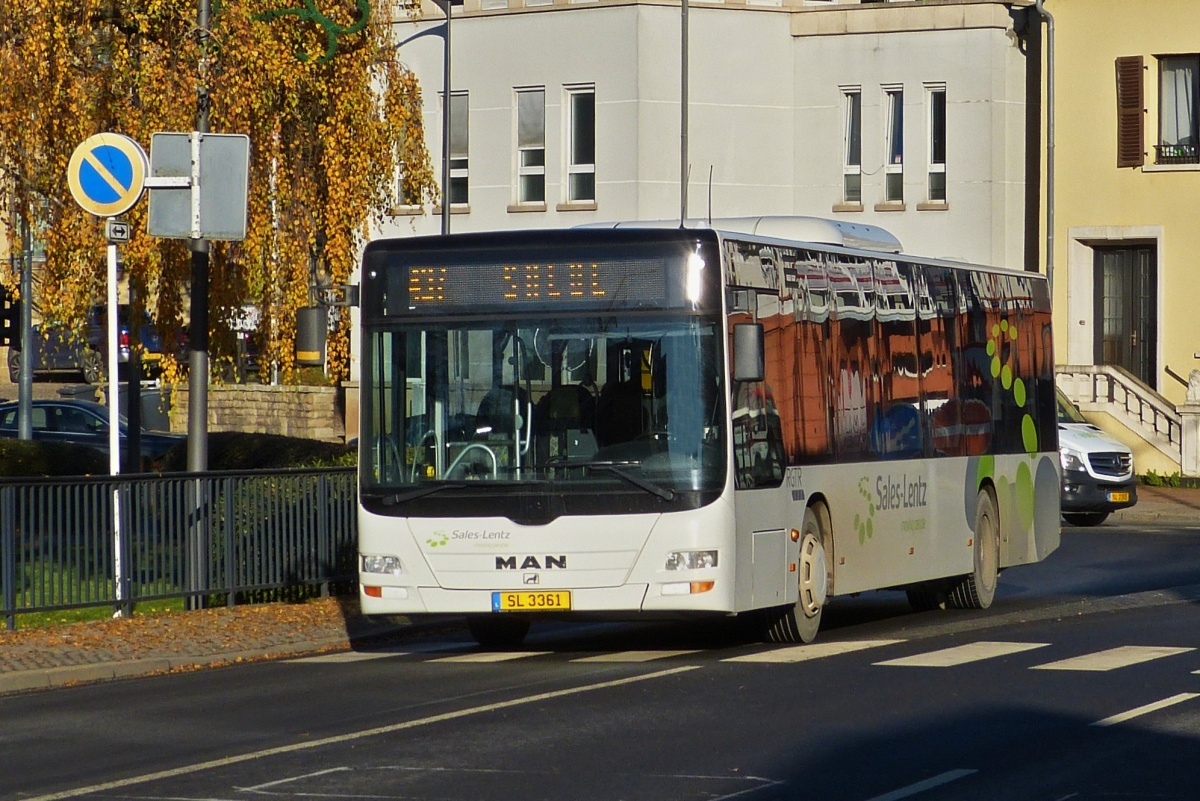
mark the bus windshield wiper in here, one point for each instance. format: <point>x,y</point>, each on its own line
<point>429,489</point>
<point>617,468</point>
<point>420,492</point>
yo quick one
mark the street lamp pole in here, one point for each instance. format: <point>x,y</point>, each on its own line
<point>447,7</point>
<point>683,113</point>
<point>197,440</point>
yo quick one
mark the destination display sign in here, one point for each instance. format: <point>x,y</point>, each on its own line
<point>625,283</point>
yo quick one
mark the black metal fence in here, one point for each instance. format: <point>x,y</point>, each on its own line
<point>207,537</point>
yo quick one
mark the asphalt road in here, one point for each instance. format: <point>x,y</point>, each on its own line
<point>1080,683</point>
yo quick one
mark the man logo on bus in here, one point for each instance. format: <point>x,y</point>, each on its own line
<point>531,563</point>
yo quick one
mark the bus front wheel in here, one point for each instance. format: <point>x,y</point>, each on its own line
<point>800,623</point>
<point>498,631</point>
<point>977,589</point>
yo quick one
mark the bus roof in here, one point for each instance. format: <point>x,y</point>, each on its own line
<point>817,230</point>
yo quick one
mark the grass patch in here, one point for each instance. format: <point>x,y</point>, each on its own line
<point>65,617</point>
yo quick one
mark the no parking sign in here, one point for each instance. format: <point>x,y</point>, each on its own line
<point>107,173</point>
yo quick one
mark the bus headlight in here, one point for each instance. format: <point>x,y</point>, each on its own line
<point>691,560</point>
<point>387,565</point>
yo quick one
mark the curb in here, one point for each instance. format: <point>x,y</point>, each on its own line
<point>16,681</point>
<point>49,678</point>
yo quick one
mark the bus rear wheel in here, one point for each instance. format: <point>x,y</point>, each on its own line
<point>799,623</point>
<point>977,589</point>
<point>498,631</point>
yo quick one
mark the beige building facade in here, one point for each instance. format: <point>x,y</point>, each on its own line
<point>1126,243</point>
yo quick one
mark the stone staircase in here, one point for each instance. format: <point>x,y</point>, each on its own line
<point>1114,391</point>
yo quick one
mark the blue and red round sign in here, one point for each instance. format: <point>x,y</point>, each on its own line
<point>107,173</point>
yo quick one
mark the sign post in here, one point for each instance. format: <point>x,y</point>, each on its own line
<point>106,175</point>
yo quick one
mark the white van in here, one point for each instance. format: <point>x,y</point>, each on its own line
<point>1097,470</point>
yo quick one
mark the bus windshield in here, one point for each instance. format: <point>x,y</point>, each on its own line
<point>628,403</point>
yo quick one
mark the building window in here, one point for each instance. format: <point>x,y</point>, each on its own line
<point>1130,101</point>
<point>937,144</point>
<point>1177,124</point>
<point>852,147</point>
<point>408,193</point>
<point>581,139</point>
<point>459,127</point>
<point>894,146</point>
<point>531,145</point>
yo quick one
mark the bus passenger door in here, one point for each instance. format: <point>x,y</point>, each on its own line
<point>759,463</point>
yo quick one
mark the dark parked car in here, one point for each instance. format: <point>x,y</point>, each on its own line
<point>82,423</point>
<point>58,350</point>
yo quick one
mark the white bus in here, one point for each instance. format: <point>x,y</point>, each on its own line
<point>637,422</point>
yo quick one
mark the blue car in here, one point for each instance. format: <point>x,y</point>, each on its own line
<point>82,423</point>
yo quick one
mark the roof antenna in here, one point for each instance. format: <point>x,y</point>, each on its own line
<point>710,171</point>
<point>687,178</point>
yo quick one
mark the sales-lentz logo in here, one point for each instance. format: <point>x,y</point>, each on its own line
<point>442,538</point>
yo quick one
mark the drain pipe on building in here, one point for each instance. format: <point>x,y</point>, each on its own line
<point>1046,15</point>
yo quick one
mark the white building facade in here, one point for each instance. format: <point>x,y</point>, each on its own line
<point>914,116</point>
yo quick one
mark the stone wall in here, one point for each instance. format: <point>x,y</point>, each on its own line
<point>309,412</point>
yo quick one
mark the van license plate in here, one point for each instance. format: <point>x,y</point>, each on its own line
<point>531,601</point>
<point>1118,497</point>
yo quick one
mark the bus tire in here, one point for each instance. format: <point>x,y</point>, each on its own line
<point>498,631</point>
<point>799,623</point>
<point>977,590</point>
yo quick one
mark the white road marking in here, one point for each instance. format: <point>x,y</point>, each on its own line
<point>260,787</point>
<point>964,654</point>
<point>359,656</point>
<point>1113,658</point>
<point>928,784</point>
<point>343,657</point>
<point>358,735</point>
<point>1147,709</point>
<point>488,657</point>
<point>803,653</point>
<point>633,656</point>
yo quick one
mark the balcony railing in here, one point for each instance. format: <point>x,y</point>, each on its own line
<point>1177,154</point>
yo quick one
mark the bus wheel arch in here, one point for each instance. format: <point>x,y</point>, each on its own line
<point>800,622</point>
<point>977,589</point>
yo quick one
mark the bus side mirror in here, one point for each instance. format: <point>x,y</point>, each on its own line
<point>748,352</point>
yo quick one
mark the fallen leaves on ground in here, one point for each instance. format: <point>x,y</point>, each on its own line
<point>218,630</point>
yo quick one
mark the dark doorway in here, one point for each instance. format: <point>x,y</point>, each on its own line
<point>1126,311</point>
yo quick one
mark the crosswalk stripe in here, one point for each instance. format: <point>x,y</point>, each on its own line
<point>1145,710</point>
<point>345,657</point>
<point>633,656</point>
<point>963,654</point>
<point>803,653</point>
<point>491,656</point>
<point>1114,658</point>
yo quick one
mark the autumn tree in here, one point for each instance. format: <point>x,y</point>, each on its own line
<point>331,113</point>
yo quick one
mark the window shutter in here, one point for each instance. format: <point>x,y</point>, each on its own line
<point>1130,102</point>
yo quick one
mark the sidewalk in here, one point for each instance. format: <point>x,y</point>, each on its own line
<point>32,659</point>
<point>1173,505</point>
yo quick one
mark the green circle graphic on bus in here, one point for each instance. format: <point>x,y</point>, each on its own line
<point>1016,492</point>
<point>438,539</point>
